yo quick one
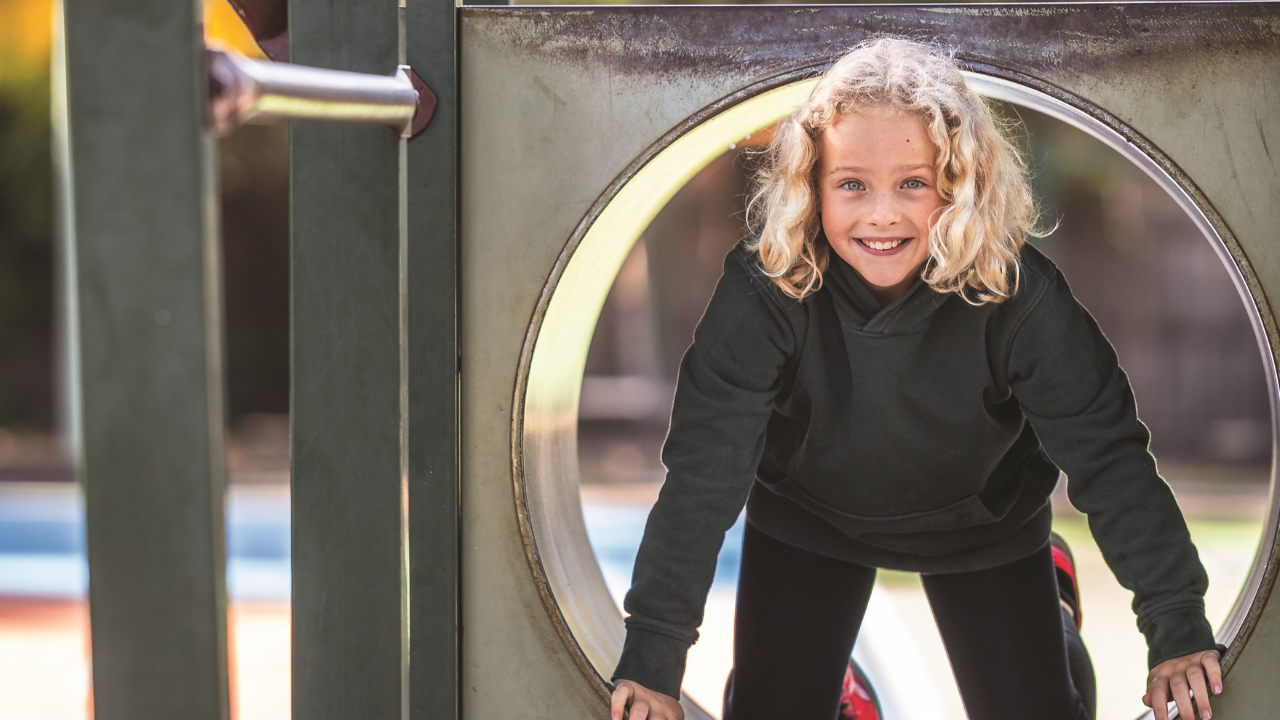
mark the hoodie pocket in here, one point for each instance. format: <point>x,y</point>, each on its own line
<point>968,511</point>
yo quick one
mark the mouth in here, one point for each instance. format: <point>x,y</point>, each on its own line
<point>883,245</point>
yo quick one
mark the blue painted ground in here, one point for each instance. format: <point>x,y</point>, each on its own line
<point>42,546</point>
<point>42,543</point>
<point>615,532</point>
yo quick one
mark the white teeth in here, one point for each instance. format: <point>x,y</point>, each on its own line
<point>883,245</point>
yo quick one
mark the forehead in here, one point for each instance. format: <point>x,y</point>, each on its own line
<point>878,139</point>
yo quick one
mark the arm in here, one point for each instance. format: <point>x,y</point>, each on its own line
<point>1066,377</point>
<point>724,394</point>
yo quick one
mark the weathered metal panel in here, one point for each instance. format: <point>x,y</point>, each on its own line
<point>562,103</point>
<point>348,652</point>
<point>142,215</point>
<point>544,133</point>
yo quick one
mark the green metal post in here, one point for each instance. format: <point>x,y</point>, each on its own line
<point>140,208</point>
<point>431,373</point>
<point>349,615</point>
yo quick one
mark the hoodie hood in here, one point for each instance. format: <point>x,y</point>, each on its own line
<point>860,311</point>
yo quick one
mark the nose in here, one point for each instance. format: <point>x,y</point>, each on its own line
<point>884,211</point>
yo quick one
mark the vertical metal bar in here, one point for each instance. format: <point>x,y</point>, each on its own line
<point>142,212</point>
<point>348,654</point>
<point>432,377</point>
<point>67,420</point>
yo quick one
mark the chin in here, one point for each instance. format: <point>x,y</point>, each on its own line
<point>886,279</point>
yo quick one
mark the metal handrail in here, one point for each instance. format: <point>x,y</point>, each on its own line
<point>242,90</point>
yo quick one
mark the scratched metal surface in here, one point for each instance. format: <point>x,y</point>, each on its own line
<point>559,105</point>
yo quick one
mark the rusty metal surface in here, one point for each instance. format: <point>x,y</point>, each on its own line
<point>426,106</point>
<point>563,105</point>
<point>1090,39</point>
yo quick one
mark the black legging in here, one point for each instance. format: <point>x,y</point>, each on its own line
<point>1014,651</point>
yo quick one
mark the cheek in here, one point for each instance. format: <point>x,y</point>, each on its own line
<point>835,209</point>
<point>825,204</point>
<point>828,213</point>
<point>931,211</point>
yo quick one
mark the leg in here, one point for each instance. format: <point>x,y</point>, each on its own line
<point>797,617</point>
<point>1081,666</point>
<point>1082,675</point>
<point>1007,637</point>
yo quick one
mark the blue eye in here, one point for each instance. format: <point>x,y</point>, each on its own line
<point>852,185</point>
<point>913,184</point>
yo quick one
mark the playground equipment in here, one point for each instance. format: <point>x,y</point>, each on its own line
<point>445,288</point>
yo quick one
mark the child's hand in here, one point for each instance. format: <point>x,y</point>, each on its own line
<point>645,704</point>
<point>1171,679</point>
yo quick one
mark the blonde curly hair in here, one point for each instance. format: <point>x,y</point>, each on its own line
<point>981,176</point>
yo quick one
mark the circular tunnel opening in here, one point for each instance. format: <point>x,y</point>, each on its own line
<point>1140,255</point>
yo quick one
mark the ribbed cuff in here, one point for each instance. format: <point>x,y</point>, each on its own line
<point>1177,633</point>
<point>654,660</point>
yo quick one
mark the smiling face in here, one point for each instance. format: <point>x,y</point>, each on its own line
<point>879,196</point>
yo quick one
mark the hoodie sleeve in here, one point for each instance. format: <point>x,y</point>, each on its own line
<point>724,395</point>
<point>1067,378</point>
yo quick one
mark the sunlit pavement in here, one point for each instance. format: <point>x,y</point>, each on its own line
<point>44,647</point>
<point>44,660</point>
<point>44,621</point>
<point>44,668</point>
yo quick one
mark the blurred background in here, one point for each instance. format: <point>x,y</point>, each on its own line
<point>44,642</point>
<point>1133,257</point>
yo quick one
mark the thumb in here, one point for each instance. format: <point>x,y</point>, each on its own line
<point>621,695</point>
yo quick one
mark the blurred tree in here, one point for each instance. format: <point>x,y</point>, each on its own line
<point>254,171</point>
<point>255,246</point>
<point>26,192</point>
<point>254,165</point>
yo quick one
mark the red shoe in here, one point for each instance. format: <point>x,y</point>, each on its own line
<point>857,699</point>
<point>1065,565</point>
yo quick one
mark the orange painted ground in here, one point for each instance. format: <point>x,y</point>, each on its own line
<point>44,660</point>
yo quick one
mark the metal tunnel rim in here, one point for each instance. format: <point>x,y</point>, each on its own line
<point>990,81</point>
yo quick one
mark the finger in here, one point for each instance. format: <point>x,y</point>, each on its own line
<point>1182,696</point>
<point>1160,699</point>
<point>618,703</point>
<point>1196,677</point>
<point>640,710</point>
<point>1213,667</point>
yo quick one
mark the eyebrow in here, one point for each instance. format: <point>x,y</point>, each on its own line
<point>900,168</point>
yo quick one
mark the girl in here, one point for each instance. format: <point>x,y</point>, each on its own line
<point>888,377</point>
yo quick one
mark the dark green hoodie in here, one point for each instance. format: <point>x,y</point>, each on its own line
<point>925,435</point>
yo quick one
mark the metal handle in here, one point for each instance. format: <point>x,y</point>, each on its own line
<point>242,91</point>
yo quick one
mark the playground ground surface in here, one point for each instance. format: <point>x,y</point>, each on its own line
<point>44,640</point>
